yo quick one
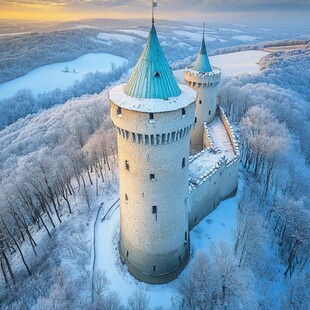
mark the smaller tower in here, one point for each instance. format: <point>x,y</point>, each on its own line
<point>204,80</point>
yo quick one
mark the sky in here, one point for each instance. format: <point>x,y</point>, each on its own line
<point>260,11</point>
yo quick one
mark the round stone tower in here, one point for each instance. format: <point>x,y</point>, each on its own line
<point>204,80</point>
<point>153,116</point>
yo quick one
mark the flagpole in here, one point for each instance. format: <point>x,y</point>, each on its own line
<point>152,11</point>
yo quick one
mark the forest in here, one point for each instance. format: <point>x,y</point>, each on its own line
<point>55,165</point>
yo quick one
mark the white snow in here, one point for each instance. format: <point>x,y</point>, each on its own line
<point>115,36</point>
<point>232,64</point>
<point>194,36</point>
<point>207,160</point>
<point>202,164</point>
<point>13,34</point>
<point>220,138</point>
<point>231,30</point>
<point>220,225</point>
<point>118,96</point>
<point>141,33</point>
<point>52,76</point>
<point>239,62</point>
<point>245,38</point>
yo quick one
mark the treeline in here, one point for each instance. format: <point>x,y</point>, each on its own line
<point>24,103</point>
<point>45,160</point>
<point>21,54</point>
<point>259,46</point>
<point>267,266</point>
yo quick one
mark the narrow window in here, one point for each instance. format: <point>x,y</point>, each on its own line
<point>183,112</point>
<point>127,254</point>
<point>209,112</point>
<point>126,197</point>
<point>154,209</point>
<point>195,120</point>
<point>119,111</point>
<point>183,162</point>
<point>185,238</point>
<point>152,176</point>
<point>154,268</point>
<point>179,258</point>
<point>151,116</point>
<point>200,101</point>
<point>127,165</point>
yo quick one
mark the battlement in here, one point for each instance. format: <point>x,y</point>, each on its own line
<point>197,79</point>
<point>214,170</point>
<point>155,139</point>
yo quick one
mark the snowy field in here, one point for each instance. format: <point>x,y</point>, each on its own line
<point>245,38</point>
<point>233,63</point>
<point>220,225</point>
<point>115,36</point>
<point>53,76</point>
<point>197,36</point>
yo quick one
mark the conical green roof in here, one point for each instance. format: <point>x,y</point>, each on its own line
<point>202,63</point>
<point>152,77</point>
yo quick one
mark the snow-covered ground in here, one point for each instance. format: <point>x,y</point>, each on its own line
<point>207,160</point>
<point>194,35</point>
<point>238,63</point>
<point>233,63</point>
<point>107,36</point>
<point>220,225</point>
<point>53,76</point>
<point>245,38</point>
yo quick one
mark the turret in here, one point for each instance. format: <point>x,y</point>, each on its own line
<point>204,79</point>
<point>153,116</point>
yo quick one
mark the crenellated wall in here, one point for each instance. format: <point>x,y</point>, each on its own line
<point>217,183</point>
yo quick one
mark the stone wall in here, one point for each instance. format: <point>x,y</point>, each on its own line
<point>217,185</point>
<point>154,167</point>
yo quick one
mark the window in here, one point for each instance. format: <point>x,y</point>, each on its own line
<point>185,237</point>
<point>200,101</point>
<point>126,197</point>
<point>156,74</point>
<point>127,254</point>
<point>127,165</point>
<point>183,112</point>
<point>154,268</point>
<point>154,211</point>
<point>209,112</point>
<point>152,176</point>
<point>151,116</point>
<point>195,120</point>
<point>119,111</point>
<point>183,162</point>
<point>179,258</point>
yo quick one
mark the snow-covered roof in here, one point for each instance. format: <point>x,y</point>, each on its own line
<point>119,97</point>
<point>152,77</point>
<point>202,63</point>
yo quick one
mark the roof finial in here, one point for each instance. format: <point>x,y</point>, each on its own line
<point>204,26</point>
<point>154,5</point>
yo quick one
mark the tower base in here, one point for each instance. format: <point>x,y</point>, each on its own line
<point>158,278</point>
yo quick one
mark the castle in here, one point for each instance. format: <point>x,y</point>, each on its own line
<point>165,192</point>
